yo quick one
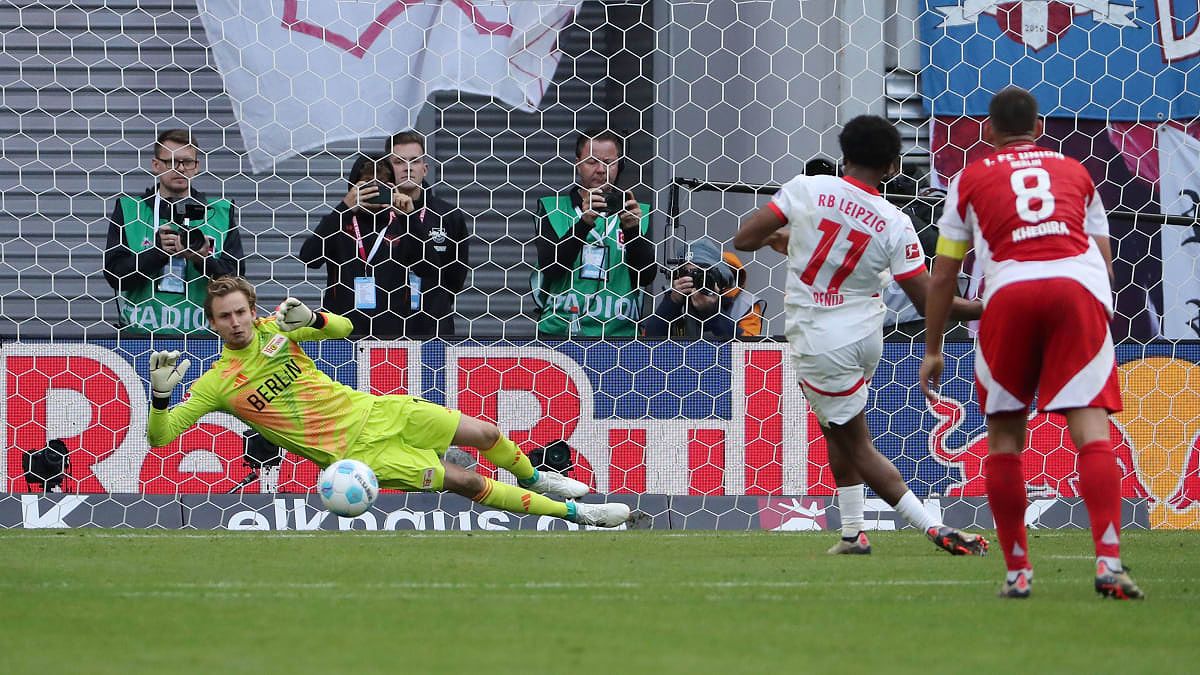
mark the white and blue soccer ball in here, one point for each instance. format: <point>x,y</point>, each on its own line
<point>348,487</point>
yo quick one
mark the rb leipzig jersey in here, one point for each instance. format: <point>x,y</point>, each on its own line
<point>846,243</point>
<point>1030,213</point>
<point>275,387</point>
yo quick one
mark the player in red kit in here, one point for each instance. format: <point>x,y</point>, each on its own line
<point>1040,232</point>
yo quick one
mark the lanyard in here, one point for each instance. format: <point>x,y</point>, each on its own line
<point>358,240</point>
<point>609,222</point>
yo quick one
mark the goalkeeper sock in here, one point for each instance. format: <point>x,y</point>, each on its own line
<point>506,455</point>
<point>519,500</point>
<point>850,505</point>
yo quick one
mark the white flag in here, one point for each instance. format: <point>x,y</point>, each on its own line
<point>303,73</point>
<point>1179,189</point>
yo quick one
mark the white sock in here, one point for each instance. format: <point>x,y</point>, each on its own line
<point>914,512</point>
<point>851,503</point>
<point>1113,564</point>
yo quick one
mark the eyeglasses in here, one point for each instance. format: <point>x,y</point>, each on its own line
<point>183,164</point>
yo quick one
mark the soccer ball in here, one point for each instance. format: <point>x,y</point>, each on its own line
<point>348,487</point>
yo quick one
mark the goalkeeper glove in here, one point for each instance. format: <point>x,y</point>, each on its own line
<point>166,371</point>
<point>292,314</point>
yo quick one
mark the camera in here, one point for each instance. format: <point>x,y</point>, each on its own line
<point>189,212</point>
<point>614,201</point>
<point>385,193</point>
<point>553,457</point>
<point>702,280</point>
<point>47,467</point>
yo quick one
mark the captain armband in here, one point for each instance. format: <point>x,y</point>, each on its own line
<point>951,248</point>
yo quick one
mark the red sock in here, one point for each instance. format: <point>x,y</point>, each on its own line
<point>1100,487</point>
<point>1006,496</point>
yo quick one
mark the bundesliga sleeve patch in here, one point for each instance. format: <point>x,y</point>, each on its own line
<point>912,251</point>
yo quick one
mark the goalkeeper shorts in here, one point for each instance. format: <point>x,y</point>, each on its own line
<point>403,441</point>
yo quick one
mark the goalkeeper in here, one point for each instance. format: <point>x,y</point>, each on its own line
<point>265,379</point>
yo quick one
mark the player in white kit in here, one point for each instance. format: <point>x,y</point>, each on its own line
<point>844,243</point>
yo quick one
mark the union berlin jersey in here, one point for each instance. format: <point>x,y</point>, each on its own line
<point>274,387</point>
<point>1029,212</point>
<point>846,243</point>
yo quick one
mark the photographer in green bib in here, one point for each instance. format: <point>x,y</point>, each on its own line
<point>594,250</point>
<point>167,244</point>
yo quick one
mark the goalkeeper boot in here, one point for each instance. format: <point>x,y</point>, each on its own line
<point>856,545</point>
<point>611,514</point>
<point>555,484</point>
<point>1017,585</point>
<point>957,543</point>
<point>1116,584</point>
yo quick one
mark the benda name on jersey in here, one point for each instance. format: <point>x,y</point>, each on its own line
<point>1040,230</point>
<point>275,384</point>
<point>828,299</point>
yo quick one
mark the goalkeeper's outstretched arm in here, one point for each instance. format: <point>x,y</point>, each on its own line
<point>165,425</point>
<point>301,323</point>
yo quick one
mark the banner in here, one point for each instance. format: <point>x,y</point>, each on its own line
<point>302,73</point>
<point>422,512</point>
<point>1094,59</point>
<point>670,418</point>
<point>1179,168</point>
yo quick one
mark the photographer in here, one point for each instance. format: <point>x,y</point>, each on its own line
<point>707,299</point>
<point>164,246</point>
<point>594,250</point>
<point>394,254</point>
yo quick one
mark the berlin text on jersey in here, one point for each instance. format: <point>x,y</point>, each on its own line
<point>275,384</point>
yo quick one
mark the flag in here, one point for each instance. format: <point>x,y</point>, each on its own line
<point>302,73</point>
<point>1179,189</point>
<point>1111,60</point>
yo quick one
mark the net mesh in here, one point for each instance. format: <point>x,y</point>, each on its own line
<point>746,92</point>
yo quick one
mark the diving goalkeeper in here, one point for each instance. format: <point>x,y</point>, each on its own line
<point>265,379</point>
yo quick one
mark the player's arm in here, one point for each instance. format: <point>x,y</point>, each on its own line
<point>917,287</point>
<point>1095,224</point>
<point>952,246</point>
<point>756,230</point>
<point>301,323</point>
<point>164,425</point>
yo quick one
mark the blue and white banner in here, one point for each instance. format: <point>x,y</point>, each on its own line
<point>1115,60</point>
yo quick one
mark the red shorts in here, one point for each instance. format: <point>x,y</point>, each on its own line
<point>1048,336</point>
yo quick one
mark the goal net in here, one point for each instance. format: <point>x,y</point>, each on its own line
<point>717,104</point>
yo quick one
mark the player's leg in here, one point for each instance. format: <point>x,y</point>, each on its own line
<point>1100,487</point>
<point>1080,380</point>
<point>516,499</point>
<point>502,452</point>
<point>853,440</point>
<point>1012,340</point>
<point>1005,481</point>
<point>835,384</point>
<point>851,500</point>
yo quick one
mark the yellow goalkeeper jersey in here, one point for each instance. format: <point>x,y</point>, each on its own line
<point>274,387</point>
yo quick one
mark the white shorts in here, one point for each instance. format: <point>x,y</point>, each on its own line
<point>836,382</point>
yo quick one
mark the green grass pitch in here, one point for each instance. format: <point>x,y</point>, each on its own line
<point>105,601</point>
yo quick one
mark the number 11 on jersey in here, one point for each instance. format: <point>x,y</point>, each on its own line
<point>829,235</point>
